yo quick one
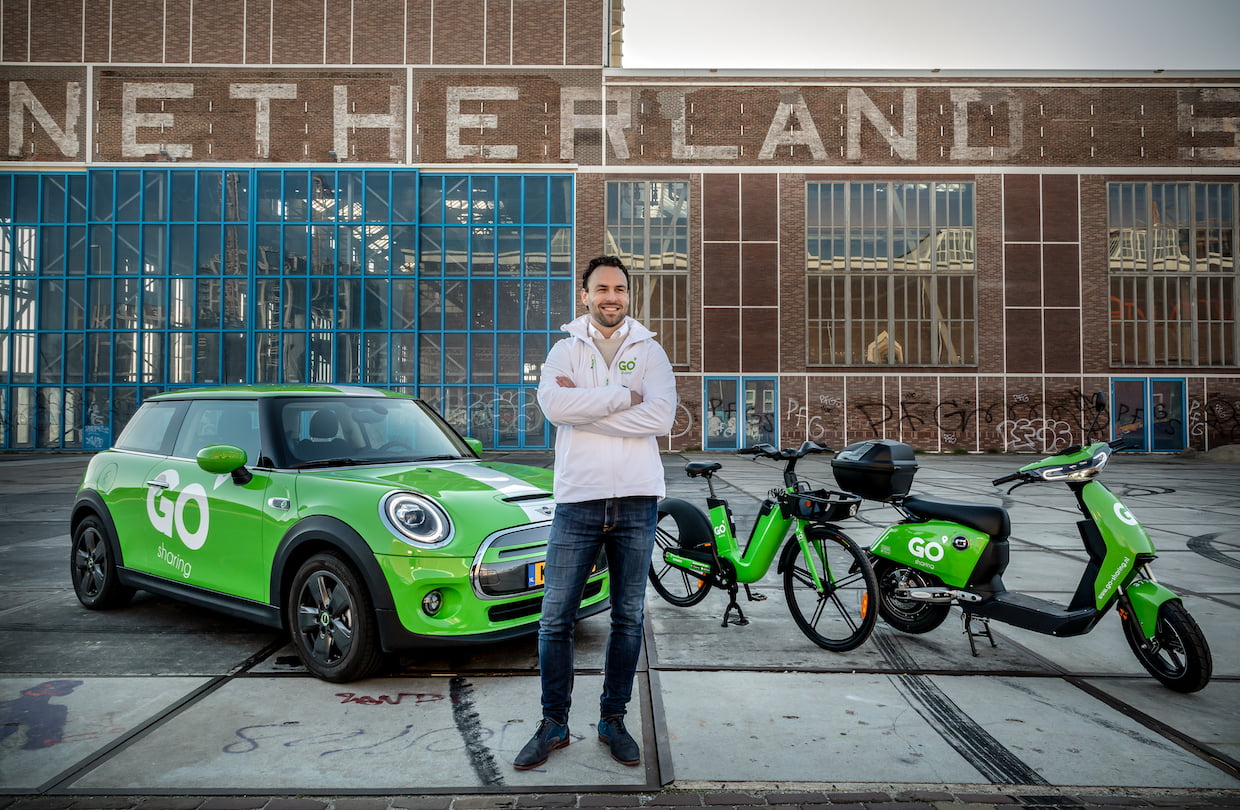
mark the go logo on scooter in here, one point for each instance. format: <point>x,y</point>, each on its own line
<point>927,549</point>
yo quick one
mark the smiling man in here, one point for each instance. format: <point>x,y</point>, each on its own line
<point>609,390</point>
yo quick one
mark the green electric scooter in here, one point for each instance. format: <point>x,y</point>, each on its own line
<point>945,553</point>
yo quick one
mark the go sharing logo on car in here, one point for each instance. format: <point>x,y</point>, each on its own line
<point>168,516</point>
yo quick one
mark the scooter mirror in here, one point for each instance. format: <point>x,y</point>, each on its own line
<point>1100,401</point>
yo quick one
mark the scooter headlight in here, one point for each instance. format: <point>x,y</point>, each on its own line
<point>416,520</point>
<point>1078,470</point>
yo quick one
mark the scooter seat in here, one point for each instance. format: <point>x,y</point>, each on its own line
<point>993,520</point>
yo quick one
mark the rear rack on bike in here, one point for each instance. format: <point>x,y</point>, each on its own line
<point>823,505</point>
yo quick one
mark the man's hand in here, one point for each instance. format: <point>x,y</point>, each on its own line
<point>565,382</point>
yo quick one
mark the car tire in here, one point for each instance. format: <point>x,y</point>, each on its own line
<point>92,567</point>
<point>331,619</point>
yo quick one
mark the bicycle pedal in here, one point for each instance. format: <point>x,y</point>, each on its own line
<point>755,596</point>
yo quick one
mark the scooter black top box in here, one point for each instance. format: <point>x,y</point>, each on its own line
<point>877,469</point>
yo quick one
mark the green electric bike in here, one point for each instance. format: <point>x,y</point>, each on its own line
<point>829,585</point>
<point>945,553</point>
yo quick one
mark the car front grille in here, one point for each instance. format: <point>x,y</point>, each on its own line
<point>509,563</point>
<point>531,607</point>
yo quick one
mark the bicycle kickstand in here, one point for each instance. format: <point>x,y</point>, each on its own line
<point>740,619</point>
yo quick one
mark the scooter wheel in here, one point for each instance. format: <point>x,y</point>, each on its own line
<point>1178,655</point>
<point>907,615</point>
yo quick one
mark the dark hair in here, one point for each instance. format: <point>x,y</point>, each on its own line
<point>603,261</point>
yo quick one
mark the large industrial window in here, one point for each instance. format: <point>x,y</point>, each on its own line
<point>495,283</point>
<point>891,274</point>
<point>1173,274</point>
<point>648,228</point>
<point>116,284</point>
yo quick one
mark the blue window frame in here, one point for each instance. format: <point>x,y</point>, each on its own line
<point>119,283</point>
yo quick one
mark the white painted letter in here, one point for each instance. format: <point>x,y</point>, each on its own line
<point>961,99</point>
<point>131,119</point>
<point>673,103</point>
<point>457,120</point>
<point>859,104</point>
<point>792,104</point>
<point>263,94</point>
<point>20,99</point>
<point>613,126</point>
<point>342,120</point>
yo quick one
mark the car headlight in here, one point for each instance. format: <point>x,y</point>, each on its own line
<point>416,520</point>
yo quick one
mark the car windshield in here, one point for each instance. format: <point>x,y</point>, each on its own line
<point>333,431</point>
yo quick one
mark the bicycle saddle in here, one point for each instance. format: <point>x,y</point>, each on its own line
<point>695,468</point>
<point>993,520</point>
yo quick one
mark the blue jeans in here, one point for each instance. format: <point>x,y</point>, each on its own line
<point>624,528</point>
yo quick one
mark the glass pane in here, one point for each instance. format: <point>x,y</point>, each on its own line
<point>377,209</point>
<point>53,251</point>
<point>155,249</point>
<point>53,198</point>
<point>721,414</point>
<point>127,255</point>
<point>182,195</point>
<point>296,196</point>
<point>181,250</point>
<point>128,196</point>
<point>404,196</point>
<point>1128,411</point>
<point>1168,418</point>
<point>236,196</point>
<point>210,194</point>
<point>430,203</point>
<point>101,205</point>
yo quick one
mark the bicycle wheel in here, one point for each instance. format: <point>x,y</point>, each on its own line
<point>841,615</point>
<point>1178,654</point>
<point>681,525</point>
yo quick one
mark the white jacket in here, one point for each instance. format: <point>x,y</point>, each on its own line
<point>604,446</point>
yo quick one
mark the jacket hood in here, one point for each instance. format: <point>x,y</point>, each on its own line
<point>578,328</point>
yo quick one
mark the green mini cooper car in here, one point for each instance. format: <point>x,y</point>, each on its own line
<point>355,518</point>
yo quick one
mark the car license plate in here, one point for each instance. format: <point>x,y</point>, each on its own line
<point>534,573</point>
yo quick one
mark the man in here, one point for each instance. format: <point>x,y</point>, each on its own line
<point>609,390</point>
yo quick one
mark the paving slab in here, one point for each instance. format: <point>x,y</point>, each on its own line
<point>1070,738</point>
<point>50,724</point>
<point>808,727</point>
<point>388,735</point>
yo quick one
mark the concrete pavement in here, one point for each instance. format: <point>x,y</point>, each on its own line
<point>163,705</point>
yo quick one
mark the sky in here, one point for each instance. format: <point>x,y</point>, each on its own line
<point>926,34</point>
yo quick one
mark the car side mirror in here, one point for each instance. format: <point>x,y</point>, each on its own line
<point>474,445</point>
<point>221,459</point>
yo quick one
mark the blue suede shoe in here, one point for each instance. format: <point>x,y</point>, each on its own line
<point>624,748</point>
<point>546,739</point>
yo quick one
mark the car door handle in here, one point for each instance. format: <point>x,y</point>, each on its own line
<point>158,482</point>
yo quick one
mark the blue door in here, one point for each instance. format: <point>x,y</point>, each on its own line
<point>1150,413</point>
<point>740,412</point>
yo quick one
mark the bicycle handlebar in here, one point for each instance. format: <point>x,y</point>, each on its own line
<point>770,451</point>
<point>1007,479</point>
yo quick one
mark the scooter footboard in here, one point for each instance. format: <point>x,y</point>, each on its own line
<point>1146,597</point>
